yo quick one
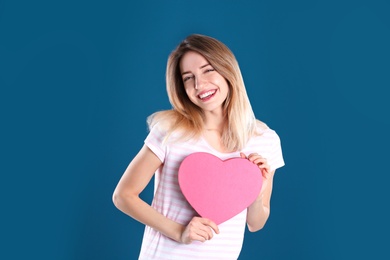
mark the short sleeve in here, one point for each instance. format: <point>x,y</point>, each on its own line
<point>270,144</point>
<point>155,142</point>
<point>275,155</point>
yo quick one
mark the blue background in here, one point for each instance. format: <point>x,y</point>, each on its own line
<point>79,78</point>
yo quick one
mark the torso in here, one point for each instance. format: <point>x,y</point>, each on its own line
<point>169,200</point>
<point>213,138</point>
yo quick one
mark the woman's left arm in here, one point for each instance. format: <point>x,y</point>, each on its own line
<point>259,210</point>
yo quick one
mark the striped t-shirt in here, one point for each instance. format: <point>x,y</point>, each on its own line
<point>169,200</point>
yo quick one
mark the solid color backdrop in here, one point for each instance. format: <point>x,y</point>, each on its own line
<point>79,78</point>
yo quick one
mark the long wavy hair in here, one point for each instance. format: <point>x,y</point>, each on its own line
<point>187,118</point>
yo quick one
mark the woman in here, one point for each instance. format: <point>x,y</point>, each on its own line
<point>211,113</point>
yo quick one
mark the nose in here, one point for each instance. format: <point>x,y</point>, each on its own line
<point>199,83</point>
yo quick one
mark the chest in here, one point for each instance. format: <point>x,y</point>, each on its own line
<point>213,138</point>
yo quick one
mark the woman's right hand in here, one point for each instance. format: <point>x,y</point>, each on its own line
<point>199,229</point>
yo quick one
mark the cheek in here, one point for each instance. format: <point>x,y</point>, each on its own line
<point>223,85</point>
<point>221,81</point>
<point>190,93</point>
<point>188,90</point>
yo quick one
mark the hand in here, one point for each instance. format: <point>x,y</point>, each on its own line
<point>260,161</point>
<point>199,229</point>
<point>264,167</point>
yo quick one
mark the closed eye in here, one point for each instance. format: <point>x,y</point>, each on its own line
<point>208,69</point>
<point>187,78</point>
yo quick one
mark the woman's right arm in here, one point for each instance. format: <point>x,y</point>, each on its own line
<point>126,198</point>
<point>134,180</point>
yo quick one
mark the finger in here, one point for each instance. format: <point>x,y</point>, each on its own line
<point>211,224</point>
<point>205,233</point>
<point>259,161</point>
<point>205,227</point>
<point>197,237</point>
<point>251,157</point>
<point>243,155</point>
<point>264,166</point>
<point>254,156</point>
<point>198,231</point>
<point>265,171</point>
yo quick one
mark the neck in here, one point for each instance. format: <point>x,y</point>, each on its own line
<point>214,121</point>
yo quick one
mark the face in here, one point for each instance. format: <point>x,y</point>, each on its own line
<point>204,86</point>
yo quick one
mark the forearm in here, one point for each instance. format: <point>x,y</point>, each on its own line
<point>259,210</point>
<point>257,215</point>
<point>138,209</point>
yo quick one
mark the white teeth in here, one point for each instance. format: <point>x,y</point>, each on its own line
<point>208,93</point>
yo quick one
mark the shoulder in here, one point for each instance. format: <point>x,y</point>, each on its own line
<point>263,131</point>
<point>170,125</point>
<point>261,127</point>
<point>162,120</point>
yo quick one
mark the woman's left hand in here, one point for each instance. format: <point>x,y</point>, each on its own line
<point>264,168</point>
<point>259,161</point>
<point>258,211</point>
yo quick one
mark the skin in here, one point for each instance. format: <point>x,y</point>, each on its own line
<point>259,210</point>
<point>199,77</point>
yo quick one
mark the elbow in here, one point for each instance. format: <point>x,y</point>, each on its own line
<point>116,198</point>
<point>256,224</point>
<point>255,228</point>
<point>125,200</point>
<point>119,199</point>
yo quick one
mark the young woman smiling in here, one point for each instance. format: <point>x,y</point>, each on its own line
<point>210,113</point>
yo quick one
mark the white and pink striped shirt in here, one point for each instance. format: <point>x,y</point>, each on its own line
<point>169,200</point>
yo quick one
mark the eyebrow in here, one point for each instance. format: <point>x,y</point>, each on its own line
<point>201,67</point>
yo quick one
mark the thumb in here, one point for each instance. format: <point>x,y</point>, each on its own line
<point>243,155</point>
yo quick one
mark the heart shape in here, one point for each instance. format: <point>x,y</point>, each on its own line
<point>219,189</point>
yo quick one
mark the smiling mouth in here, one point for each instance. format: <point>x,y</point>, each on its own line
<point>207,95</point>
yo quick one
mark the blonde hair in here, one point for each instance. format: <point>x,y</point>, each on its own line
<point>186,116</point>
